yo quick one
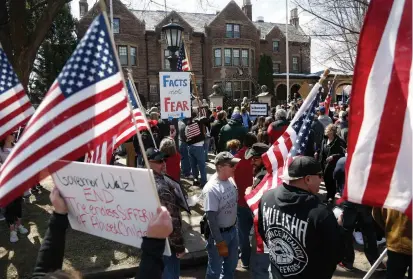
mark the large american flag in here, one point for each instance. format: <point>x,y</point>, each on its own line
<point>292,143</point>
<point>380,155</point>
<point>327,101</point>
<point>15,106</point>
<point>137,114</point>
<point>85,106</point>
<point>183,63</point>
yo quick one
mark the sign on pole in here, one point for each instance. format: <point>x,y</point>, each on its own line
<point>112,202</point>
<point>175,94</point>
<point>258,109</point>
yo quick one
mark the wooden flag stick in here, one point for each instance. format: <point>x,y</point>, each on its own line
<point>145,158</point>
<point>138,101</point>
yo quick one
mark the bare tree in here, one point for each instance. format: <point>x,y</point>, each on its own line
<point>23,26</point>
<point>337,25</point>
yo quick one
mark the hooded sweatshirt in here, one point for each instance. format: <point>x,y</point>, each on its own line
<point>233,130</point>
<point>302,234</point>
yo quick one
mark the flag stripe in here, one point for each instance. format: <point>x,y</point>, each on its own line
<point>373,107</point>
<point>24,107</point>
<point>369,41</point>
<point>10,97</point>
<point>16,122</point>
<point>383,164</point>
<point>75,115</point>
<point>55,151</point>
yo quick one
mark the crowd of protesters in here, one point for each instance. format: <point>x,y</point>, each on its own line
<point>300,234</point>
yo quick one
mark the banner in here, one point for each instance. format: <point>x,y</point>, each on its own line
<point>258,109</point>
<point>175,94</point>
<point>112,202</point>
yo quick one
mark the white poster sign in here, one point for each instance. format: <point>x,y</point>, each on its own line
<point>258,109</point>
<point>175,94</point>
<point>112,202</point>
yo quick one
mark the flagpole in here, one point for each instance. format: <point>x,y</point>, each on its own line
<point>193,78</point>
<point>287,51</point>
<point>145,158</point>
<point>138,101</point>
<point>111,17</point>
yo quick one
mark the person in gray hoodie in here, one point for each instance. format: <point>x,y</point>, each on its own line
<point>323,117</point>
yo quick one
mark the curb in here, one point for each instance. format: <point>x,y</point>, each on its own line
<point>190,260</point>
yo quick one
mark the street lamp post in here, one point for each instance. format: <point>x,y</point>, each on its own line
<point>173,36</point>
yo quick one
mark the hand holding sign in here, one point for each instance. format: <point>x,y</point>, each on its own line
<point>58,202</point>
<point>161,225</point>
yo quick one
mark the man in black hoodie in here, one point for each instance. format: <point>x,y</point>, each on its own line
<point>302,234</point>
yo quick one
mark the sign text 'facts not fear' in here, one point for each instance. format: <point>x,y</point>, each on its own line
<point>175,94</point>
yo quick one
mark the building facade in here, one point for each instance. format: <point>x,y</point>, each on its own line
<point>223,48</point>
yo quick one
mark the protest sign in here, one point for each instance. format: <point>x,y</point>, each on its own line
<point>258,109</point>
<point>175,94</point>
<point>112,202</point>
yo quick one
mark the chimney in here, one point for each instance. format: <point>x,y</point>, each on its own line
<point>260,19</point>
<point>247,8</point>
<point>83,7</point>
<point>294,19</point>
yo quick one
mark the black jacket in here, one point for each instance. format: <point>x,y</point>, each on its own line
<point>301,233</point>
<point>336,148</point>
<point>215,128</point>
<point>51,253</point>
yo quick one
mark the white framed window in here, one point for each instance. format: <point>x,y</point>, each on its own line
<point>235,55</point>
<point>276,67</point>
<point>166,54</point>
<point>237,33</point>
<point>232,30</point>
<point>275,46</point>
<point>123,55</point>
<point>116,25</point>
<point>228,56</point>
<point>153,89</point>
<point>245,58</point>
<point>133,56</point>
<point>217,57</point>
<point>295,64</point>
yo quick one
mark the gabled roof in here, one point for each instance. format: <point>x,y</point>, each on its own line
<point>294,34</point>
<point>153,18</point>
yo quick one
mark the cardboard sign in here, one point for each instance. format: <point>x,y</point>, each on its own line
<point>112,202</point>
<point>258,109</point>
<point>175,94</point>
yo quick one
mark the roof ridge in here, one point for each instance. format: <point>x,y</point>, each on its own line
<point>134,10</point>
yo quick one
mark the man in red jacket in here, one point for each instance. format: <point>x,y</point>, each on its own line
<point>243,178</point>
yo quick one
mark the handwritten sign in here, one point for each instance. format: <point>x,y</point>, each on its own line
<point>175,94</point>
<point>258,109</point>
<point>112,202</point>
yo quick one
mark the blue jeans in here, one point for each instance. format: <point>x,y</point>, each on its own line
<point>260,266</point>
<point>207,141</point>
<point>185,165</point>
<point>197,159</point>
<point>172,267</point>
<point>220,267</point>
<point>245,220</point>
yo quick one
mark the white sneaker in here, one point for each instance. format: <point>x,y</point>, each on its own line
<point>22,230</point>
<point>358,236</point>
<point>13,237</point>
<point>382,241</point>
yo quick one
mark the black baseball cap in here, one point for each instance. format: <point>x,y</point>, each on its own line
<point>155,155</point>
<point>302,166</point>
<point>256,150</point>
<point>226,158</point>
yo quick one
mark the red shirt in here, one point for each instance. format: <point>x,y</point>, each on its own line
<point>243,175</point>
<point>173,166</point>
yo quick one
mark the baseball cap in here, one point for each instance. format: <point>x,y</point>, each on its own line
<point>226,158</point>
<point>302,166</point>
<point>236,117</point>
<point>322,109</point>
<point>257,149</point>
<point>155,155</point>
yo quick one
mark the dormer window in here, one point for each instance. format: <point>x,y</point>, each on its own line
<point>232,31</point>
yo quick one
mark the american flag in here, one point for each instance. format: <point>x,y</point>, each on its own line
<point>380,156</point>
<point>137,113</point>
<point>183,63</point>
<point>84,107</point>
<point>15,106</point>
<point>292,143</point>
<point>327,100</point>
